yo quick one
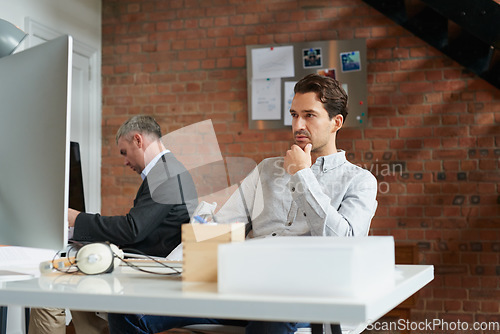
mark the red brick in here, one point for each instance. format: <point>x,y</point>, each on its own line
<point>485,142</point>
<point>493,294</point>
<point>386,133</point>
<point>467,142</point>
<point>432,143</point>
<point>449,154</point>
<point>433,165</point>
<point>485,118</point>
<point>414,109</point>
<point>416,76</point>
<point>362,145</point>
<point>397,144</point>
<point>452,305</point>
<point>383,66</point>
<point>414,132</point>
<point>414,144</point>
<point>399,76</point>
<point>414,154</point>
<point>449,119</point>
<point>451,166</point>
<point>451,131</point>
<point>449,108</point>
<point>413,87</point>
<point>484,177</point>
<point>479,130</point>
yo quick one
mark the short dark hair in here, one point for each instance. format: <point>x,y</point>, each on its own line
<point>140,123</point>
<point>329,92</point>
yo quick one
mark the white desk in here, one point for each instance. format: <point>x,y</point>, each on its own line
<point>134,292</point>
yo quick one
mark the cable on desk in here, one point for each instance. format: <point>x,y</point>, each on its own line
<point>138,268</point>
<point>69,264</point>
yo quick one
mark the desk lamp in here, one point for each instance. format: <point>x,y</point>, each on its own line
<point>10,37</point>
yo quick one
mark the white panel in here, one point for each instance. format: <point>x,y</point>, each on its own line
<point>86,109</point>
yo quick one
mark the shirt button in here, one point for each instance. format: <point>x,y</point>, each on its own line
<point>293,189</point>
<point>305,214</point>
<point>289,223</point>
<point>274,234</point>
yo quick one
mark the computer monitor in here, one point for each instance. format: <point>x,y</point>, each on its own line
<point>35,90</point>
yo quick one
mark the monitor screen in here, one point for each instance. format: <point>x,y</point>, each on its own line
<point>35,90</point>
<point>76,193</point>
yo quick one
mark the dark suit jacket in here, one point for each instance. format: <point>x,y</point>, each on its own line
<point>153,226</point>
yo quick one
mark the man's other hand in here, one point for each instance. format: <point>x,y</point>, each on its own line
<point>72,217</point>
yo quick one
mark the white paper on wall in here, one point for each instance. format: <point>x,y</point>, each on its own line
<point>273,62</point>
<point>266,99</point>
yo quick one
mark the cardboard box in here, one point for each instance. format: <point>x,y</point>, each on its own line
<point>200,245</point>
<point>307,266</point>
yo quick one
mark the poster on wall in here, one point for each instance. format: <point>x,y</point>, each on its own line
<point>273,62</point>
<point>327,72</point>
<point>312,58</point>
<point>266,99</point>
<point>350,61</point>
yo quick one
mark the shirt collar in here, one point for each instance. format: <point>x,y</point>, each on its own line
<point>151,164</point>
<point>331,161</point>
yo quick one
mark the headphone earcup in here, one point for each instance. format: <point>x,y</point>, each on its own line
<point>95,258</point>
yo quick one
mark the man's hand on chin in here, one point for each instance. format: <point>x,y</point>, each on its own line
<point>297,159</point>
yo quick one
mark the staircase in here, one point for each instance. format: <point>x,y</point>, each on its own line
<point>468,31</point>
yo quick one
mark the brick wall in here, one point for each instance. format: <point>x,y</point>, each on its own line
<point>432,138</point>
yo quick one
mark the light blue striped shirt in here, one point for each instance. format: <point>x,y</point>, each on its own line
<point>331,198</point>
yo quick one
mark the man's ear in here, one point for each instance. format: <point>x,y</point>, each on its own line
<point>338,121</point>
<point>138,140</point>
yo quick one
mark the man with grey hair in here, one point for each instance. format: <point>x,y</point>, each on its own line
<point>152,226</point>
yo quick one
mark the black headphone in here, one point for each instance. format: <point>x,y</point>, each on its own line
<point>98,258</point>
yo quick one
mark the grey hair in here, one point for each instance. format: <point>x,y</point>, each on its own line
<point>141,123</point>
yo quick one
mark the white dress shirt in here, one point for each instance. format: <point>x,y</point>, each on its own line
<point>152,163</point>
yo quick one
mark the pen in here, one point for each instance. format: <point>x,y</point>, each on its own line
<point>200,220</point>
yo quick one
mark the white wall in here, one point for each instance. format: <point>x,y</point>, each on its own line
<point>79,18</point>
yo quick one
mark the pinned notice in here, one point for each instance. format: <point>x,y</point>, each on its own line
<point>273,62</point>
<point>266,99</point>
